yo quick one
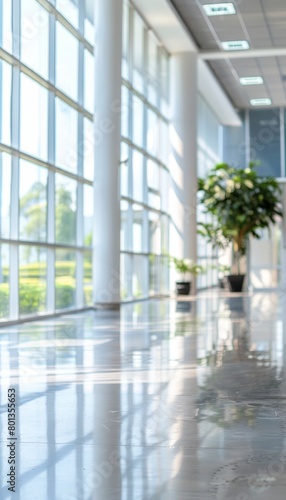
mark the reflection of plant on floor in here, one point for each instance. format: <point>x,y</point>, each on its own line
<point>237,377</point>
<point>181,328</point>
<point>187,326</point>
<point>227,415</point>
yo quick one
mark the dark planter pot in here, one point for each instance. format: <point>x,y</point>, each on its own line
<point>235,282</point>
<point>183,287</point>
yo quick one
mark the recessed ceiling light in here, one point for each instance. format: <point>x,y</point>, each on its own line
<point>219,9</point>
<point>261,102</point>
<point>235,45</point>
<point>251,80</point>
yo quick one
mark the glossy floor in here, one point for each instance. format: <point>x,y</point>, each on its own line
<point>168,400</point>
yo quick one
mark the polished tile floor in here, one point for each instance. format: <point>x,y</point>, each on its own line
<point>168,400</point>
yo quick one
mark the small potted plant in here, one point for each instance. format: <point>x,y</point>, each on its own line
<point>241,204</point>
<point>185,267</point>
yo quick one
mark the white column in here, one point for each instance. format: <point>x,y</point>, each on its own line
<point>108,52</point>
<point>183,135</point>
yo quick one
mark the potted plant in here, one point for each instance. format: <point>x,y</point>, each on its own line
<point>183,268</point>
<point>241,203</point>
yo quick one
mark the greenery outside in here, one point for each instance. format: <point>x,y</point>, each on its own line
<point>32,288</point>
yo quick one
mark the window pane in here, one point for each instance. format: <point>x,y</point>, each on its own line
<point>125,226</point>
<point>65,279</point>
<point>140,273</point>
<point>32,279</point>
<point>138,53</point>
<point>164,275</point>
<point>154,270</point>
<point>153,175</point>
<point>124,170</point>
<point>137,230</point>
<point>69,9</point>
<point>6,25</point>
<point>5,102</point>
<point>164,142</point>
<point>65,211</point>
<point>66,62</point>
<point>164,76</point>
<point>265,140</point>
<point>164,234</point>
<point>138,121</point>
<point>34,36</point>
<point>138,178</point>
<point>126,276</point>
<point>154,200</point>
<point>125,112</point>
<point>66,136</point>
<point>88,199</point>
<point>4,281</point>
<point>88,81</point>
<point>88,149</point>
<point>34,118</point>
<point>154,233</point>
<point>165,189</point>
<point>152,76</point>
<point>87,278</point>
<point>152,133</point>
<point>33,202</point>
<point>5,193</point>
<point>89,32</point>
<point>125,44</point>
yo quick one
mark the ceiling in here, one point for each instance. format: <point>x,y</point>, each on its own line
<point>263,24</point>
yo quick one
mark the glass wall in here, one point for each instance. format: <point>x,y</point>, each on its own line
<point>144,161</point>
<point>46,157</point>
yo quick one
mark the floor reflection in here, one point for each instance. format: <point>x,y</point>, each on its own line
<point>167,400</point>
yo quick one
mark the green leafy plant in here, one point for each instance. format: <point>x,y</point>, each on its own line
<point>186,266</point>
<point>241,203</point>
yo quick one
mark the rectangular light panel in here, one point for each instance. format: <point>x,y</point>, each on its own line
<point>219,9</point>
<point>235,45</point>
<point>261,102</point>
<point>251,80</point>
